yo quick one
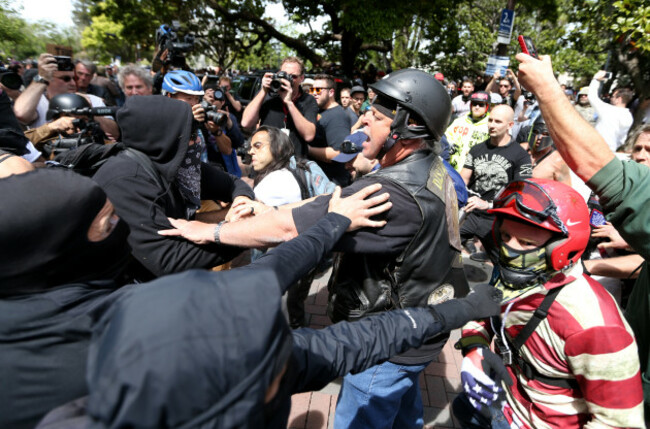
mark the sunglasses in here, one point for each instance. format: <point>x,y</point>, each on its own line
<point>531,201</point>
<point>317,91</point>
<point>478,103</point>
<point>65,78</point>
<point>504,86</point>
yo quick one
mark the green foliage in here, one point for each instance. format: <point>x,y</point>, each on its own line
<point>102,39</point>
<point>632,23</point>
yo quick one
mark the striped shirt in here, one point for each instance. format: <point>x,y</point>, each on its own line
<point>585,338</point>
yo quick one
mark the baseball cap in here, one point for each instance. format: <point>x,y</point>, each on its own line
<point>439,76</point>
<point>351,146</point>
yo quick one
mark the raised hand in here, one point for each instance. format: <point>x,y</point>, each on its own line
<point>359,208</point>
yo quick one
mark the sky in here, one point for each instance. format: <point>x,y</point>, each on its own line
<point>56,11</point>
<point>60,11</point>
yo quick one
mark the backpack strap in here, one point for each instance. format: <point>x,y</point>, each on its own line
<point>299,175</point>
<point>527,369</point>
<point>540,314</point>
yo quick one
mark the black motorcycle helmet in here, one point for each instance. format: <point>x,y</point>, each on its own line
<point>65,103</point>
<point>539,127</point>
<point>422,105</point>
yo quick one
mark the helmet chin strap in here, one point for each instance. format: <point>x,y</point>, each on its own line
<point>400,130</point>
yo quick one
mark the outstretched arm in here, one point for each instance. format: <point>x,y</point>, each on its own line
<point>583,149</point>
<point>277,226</point>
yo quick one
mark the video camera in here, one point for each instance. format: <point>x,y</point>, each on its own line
<point>276,84</point>
<point>167,39</point>
<point>211,114</point>
<point>90,130</point>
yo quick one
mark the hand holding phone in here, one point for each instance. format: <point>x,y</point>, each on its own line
<point>527,46</point>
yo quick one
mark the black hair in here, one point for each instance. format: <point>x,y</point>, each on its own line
<point>281,148</point>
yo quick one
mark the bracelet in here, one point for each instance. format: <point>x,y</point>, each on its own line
<point>217,230</point>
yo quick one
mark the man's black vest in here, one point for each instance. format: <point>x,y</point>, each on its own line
<point>428,271</point>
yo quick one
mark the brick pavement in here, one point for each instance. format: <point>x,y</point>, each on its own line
<point>440,382</point>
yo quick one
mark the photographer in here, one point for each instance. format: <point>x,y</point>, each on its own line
<point>232,103</point>
<point>504,87</point>
<point>282,103</point>
<point>55,76</point>
<point>224,135</point>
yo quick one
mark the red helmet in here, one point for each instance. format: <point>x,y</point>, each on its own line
<point>553,206</point>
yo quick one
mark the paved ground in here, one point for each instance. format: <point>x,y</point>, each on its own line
<point>440,382</point>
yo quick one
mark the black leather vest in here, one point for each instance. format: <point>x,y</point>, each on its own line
<point>428,271</point>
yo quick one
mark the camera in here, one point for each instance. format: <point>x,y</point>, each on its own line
<point>64,63</point>
<point>276,84</point>
<point>11,80</point>
<point>91,131</point>
<point>211,114</point>
<point>242,152</point>
<point>167,38</point>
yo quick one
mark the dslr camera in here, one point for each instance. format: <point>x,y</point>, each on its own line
<point>276,84</point>
<point>167,39</point>
<point>211,114</point>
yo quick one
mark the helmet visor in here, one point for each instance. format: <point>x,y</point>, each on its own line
<point>531,201</point>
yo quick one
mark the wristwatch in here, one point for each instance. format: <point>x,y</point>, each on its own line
<point>40,79</point>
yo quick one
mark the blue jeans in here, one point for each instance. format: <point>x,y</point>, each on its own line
<point>382,397</point>
<point>470,418</point>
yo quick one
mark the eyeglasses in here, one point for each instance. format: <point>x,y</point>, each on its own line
<point>314,90</point>
<point>478,103</point>
<point>65,78</point>
<point>531,201</point>
<point>504,86</point>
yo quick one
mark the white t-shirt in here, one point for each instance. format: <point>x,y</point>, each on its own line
<point>44,104</point>
<point>613,122</point>
<point>278,188</point>
<point>459,106</point>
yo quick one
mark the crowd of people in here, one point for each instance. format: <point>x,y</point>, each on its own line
<point>130,298</point>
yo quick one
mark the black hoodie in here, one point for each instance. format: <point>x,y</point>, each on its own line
<point>199,349</point>
<point>161,128</point>
<point>51,275</point>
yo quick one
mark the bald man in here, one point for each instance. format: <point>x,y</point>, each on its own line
<point>488,167</point>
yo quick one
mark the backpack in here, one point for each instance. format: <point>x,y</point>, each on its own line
<point>312,181</point>
<point>87,159</point>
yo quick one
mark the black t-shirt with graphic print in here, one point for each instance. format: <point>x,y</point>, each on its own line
<point>494,166</point>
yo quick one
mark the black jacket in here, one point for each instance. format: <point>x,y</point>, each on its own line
<point>160,128</point>
<point>207,359</point>
<point>51,276</point>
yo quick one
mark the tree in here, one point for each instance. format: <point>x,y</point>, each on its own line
<point>103,40</point>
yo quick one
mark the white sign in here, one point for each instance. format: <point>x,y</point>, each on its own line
<point>497,63</point>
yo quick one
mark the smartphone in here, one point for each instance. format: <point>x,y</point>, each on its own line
<point>527,46</point>
<point>64,63</point>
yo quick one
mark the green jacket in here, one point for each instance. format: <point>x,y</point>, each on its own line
<point>624,191</point>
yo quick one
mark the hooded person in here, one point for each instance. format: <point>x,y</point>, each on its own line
<point>202,362</point>
<point>163,129</point>
<point>63,252</point>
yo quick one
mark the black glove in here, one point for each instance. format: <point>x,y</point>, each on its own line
<point>483,301</point>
